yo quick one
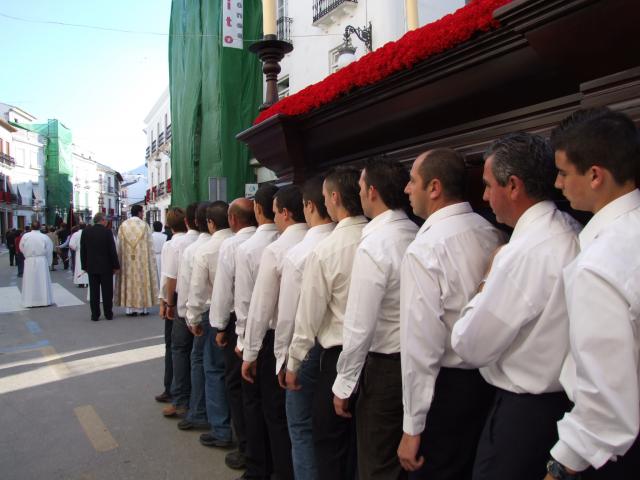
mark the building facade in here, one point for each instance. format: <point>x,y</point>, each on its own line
<point>158,159</point>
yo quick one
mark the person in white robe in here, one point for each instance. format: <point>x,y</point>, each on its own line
<point>80,277</point>
<point>159,239</point>
<point>37,249</point>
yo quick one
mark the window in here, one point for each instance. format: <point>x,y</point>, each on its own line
<point>283,87</point>
<point>166,170</point>
<point>333,59</point>
<point>19,156</point>
<point>283,8</point>
<point>34,160</point>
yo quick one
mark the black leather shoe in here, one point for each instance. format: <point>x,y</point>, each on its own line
<point>189,425</point>
<point>164,397</point>
<point>209,440</point>
<point>95,319</point>
<point>109,317</point>
<point>235,460</point>
<point>134,314</point>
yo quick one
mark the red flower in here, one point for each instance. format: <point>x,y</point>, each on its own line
<point>414,47</point>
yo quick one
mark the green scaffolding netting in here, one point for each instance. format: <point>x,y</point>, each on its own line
<point>215,94</point>
<point>58,165</point>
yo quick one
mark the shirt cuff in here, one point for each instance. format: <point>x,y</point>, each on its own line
<point>193,319</point>
<point>565,455</point>
<point>249,355</point>
<point>343,387</point>
<point>281,358</point>
<point>413,425</point>
<point>219,324</point>
<point>240,344</point>
<point>293,364</point>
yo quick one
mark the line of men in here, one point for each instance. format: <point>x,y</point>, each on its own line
<point>342,341</point>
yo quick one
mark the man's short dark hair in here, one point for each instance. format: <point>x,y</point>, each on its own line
<point>448,167</point>
<point>264,198</point>
<point>246,216</point>
<point>344,180</point>
<point>190,215</point>
<point>600,136</point>
<point>217,213</point>
<point>175,219</point>
<point>135,210</point>
<point>157,226</point>
<point>312,192</point>
<point>201,216</point>
<point>35,225</point>
<point>528,157</point>
<point>98,218</point>
<point>290,197</point>
<point>389,179</point>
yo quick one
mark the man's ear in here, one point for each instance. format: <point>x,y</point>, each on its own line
<point>597,176</point>
<point>515,187</point>
<point>434,188</point>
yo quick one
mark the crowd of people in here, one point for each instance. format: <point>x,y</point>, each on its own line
<point>335,338</point>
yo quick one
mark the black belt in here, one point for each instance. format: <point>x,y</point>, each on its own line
<point>385,356</point>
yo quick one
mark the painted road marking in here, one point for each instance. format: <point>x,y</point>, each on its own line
<point>54,360</point>
<point>11,298</point>
<point>63,297</point>
<point>24,348</point>
<point>95,429</point>
<point>33,327</point>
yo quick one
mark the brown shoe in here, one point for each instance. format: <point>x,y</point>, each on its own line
<point>173,411</point>
<point>164,397</point>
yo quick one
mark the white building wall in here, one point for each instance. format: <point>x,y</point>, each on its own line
<point>28,176</point>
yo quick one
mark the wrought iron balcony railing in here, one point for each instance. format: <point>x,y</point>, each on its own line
<point>324,7</point>
<point>284,28</point>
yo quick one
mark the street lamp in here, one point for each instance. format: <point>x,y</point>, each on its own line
<point>346,52</point>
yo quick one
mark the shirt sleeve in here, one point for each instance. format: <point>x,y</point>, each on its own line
<point>492,319</point>
<point>199,288</point>
<point>244,289</point>
<point>223,289</point>
<point>264,301</point>
<point>604,421</point>
<point>366,290</point>
<point>315,295</point>
<point>423,335</point>
<point>170,263</point>
<point>287,306</point>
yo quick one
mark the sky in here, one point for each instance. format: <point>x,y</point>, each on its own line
<point>101,84</point>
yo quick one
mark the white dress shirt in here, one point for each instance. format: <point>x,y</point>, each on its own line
<point>171,265</point>
<point>184,274</point>
<point>263,311</point>
<point>441,271</point>
<point>159,239</point>
<point>372,316</point>
<point>324,291</point>
<point>247,264</point>
<point>292,269</point>
<point>602,373</point>
<point>203,274</point>
<point>223,286</point>
<point>517,328</point>
<point>168,251</point>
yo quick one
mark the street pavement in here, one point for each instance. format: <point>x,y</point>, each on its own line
<point>76,396</point>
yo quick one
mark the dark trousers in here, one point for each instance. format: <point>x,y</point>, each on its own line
<point>181,346</point>
<point>273,408</point>
<point>12,256</point>
<point>168,361</point>
<point>101,282</point>
<point>518,435</point>
<point>457,415</point>
<point>233,384</point>
<point>334,437</point>
<point>379,416</point>
<point>20,263</point>
<point>626,467</point>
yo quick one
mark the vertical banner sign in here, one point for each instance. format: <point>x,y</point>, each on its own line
<point>232,23</point>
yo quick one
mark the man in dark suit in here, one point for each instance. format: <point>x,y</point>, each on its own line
<point>99,259</point>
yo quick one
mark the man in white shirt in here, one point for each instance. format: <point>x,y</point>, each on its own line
<point>175,221</point>
<point>259,361</point>
<point>299,403</point>
<point>204,263</point>
<point>197,416</point>
<point>516,328</point>
<point>222,319</point>
<point>321,309</point>
<point>371,331</point>
<point>247,264</point>
<point>597,154</point>
<point>445,402</point>
<point>181,337</point>
<point>159,239</point>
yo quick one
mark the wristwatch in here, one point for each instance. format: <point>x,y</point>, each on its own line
<point>559,472</point>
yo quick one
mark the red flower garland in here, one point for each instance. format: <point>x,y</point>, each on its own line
<point>414,47</point>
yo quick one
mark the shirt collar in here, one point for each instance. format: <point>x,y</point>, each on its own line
<point>324,228</point>
<point>203,235</point>
<point>192,232</point>
<point>244,230</point>
<point>221,233</point>
<point>607,215</point>
<point>531,215</point>
<point>267,227</point>
<point>349,221</point>
<point>296,227</point>
<point>385,218</point>
<point>177,235</point>
<point>445,212</point>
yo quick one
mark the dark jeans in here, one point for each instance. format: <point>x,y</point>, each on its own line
<point>334,437</point>
<point>20,263</point>
<point>214,384</point>
<point>181,346</point>
<point>101,282</point>
<point>518,434</point>
<point>168,361</point>
<point>197,406</point>
<point>458,412</point>
<point>233,385</point>
<point>379,415</point>
<point>12,256</point>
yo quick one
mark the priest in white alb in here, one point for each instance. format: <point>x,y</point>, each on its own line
<point>137,281</point>
<point>37,249</point>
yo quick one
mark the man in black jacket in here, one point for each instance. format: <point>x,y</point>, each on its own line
<point>99,259</point>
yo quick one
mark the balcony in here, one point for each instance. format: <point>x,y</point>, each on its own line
<point>161,189</point>
<point>284,28</point>
<point>160,138</point>
<point>168,185</point>
<point>7,159</point>
<point>147,153</point>
<point>153,146</point>
<point>325,10</point>
<point>168,132</point>
<point>110,189</point>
